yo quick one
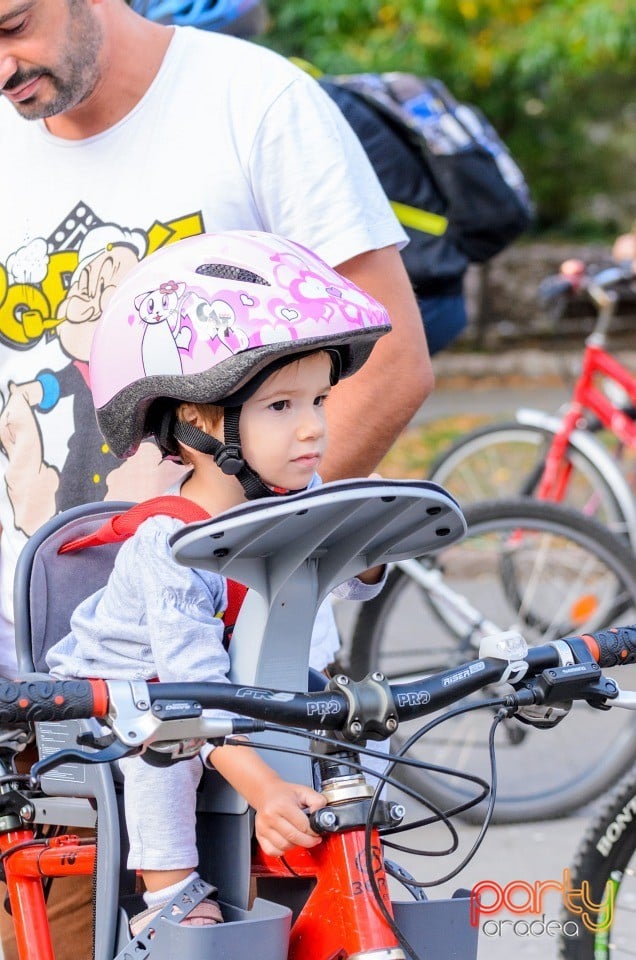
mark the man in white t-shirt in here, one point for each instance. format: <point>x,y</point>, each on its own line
<point>119,136</point>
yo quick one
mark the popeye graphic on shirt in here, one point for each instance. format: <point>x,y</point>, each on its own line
<point>52,293</point>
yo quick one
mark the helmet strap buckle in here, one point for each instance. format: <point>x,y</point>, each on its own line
<point>229,459</point>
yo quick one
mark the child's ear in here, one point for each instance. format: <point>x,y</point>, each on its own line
<point>195,415</point>
<point>190,413</point>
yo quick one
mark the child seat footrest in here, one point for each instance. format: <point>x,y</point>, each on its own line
<point>439,928</point>
<point>262,931</point>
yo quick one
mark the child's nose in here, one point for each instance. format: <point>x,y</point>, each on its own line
<point>312,423</point>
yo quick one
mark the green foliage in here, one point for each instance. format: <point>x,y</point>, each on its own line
<point>554,76</point>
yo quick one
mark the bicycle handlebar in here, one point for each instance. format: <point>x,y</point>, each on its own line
<point>552,289</point>
<point>612,648</point>
<point>25,701</point>
<point>122,704</point>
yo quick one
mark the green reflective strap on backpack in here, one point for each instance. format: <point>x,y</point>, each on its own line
<point>306,67</point>
<point>412,217</point>
<point>422,220</point>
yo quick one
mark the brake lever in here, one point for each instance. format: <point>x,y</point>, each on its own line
<point>580,681</point>
<point>107,754</point>
<point>98,743</point>
<point>553,691</point>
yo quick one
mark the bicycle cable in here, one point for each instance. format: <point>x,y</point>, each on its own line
<point>414,884</point>
<point>384,778</point>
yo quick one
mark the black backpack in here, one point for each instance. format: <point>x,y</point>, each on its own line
<point>451,181</point>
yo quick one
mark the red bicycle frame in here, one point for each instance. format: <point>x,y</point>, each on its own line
<point>343,891</point>
<point>588,397</point>
<point>25,867</point>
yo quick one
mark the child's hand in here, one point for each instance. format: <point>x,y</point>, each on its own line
<point>280,822</point>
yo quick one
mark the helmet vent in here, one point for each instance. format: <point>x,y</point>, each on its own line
<point>225,271</point>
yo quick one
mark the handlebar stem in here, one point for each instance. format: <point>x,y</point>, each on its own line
<point>372,713</point>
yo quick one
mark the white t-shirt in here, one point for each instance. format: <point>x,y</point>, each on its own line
<point>228,136</point>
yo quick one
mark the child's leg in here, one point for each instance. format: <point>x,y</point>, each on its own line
<point>160,815</point>
<point>160,807</point>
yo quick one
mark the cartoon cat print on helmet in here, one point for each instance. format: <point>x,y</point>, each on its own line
<point>200,318</point>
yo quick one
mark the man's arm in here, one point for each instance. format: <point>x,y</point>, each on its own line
<point>368,411</point>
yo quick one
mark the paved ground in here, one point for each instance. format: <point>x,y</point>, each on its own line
<point>497,384</point>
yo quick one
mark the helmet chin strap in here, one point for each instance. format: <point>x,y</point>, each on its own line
<point>228,456</point>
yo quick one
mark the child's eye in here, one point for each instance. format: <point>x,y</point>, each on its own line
<point>319,401</point>
<point>279,405</point>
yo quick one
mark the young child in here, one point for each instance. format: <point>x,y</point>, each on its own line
<point>224,350</point>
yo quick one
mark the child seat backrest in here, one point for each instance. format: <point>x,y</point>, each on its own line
<point>48,587</point>
<point>44,610</point>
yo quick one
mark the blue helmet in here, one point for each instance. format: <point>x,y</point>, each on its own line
<point>243,18</point>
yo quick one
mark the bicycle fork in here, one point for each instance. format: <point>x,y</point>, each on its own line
<point>557,467</point>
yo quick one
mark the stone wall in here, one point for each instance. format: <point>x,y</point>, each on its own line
<point>504,308</point>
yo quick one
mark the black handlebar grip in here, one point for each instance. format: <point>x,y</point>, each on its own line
<point>24,701</point>
<point>611,648</point>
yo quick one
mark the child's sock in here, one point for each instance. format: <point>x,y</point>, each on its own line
<point>157,898</point>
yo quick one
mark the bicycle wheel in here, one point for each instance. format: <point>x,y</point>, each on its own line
<point>570,575</point>
<point>507,459</point>
<point>605,861</point>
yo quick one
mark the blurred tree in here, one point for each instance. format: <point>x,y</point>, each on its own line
<point>556,78</point>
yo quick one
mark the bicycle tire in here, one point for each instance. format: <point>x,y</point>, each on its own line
<point>606,855</point>
<point>506,459</point>
<point>581,573</point>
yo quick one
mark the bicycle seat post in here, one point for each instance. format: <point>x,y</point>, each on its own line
<point>605,301</point>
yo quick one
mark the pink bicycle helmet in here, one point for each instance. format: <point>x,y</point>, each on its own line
<point>201,318</point>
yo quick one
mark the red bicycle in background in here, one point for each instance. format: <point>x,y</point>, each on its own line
<point>584,454</point>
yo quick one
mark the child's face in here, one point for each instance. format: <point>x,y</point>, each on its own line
<point>283,429</point>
